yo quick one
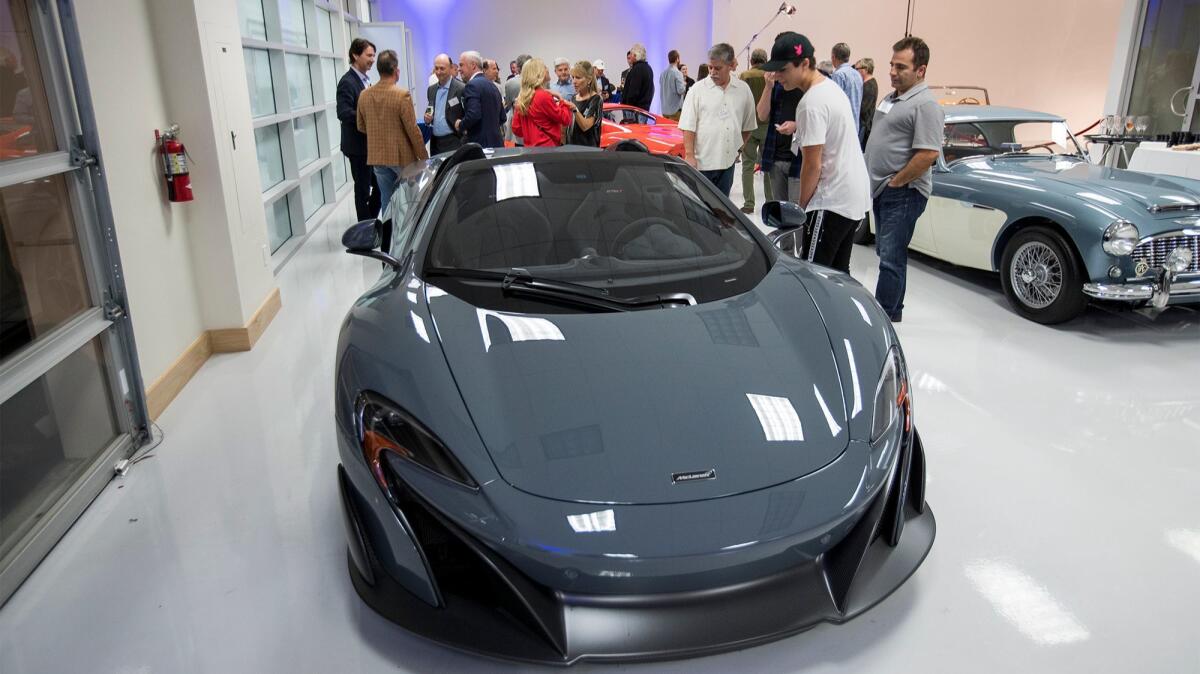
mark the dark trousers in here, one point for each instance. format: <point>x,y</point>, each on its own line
<point>896,212</point>
<point>723,179</point>
<point>440,144</point>
<point>366,191</point>
<point>829,239</point>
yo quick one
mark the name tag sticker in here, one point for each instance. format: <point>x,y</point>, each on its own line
<point>724,114</point>
<point>452,102</point>
<point>885,106</point>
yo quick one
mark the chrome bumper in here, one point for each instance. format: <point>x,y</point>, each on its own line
<point>1160,291</point>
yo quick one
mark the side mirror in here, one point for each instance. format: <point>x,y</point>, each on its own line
<point>790,241</point>
<point>783,215</point>
<point>788,220</point>
<point>362,238</point>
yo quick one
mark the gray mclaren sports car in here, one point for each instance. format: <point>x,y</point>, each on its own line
<point>590,412</point>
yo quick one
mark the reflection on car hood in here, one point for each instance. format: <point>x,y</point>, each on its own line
<point>615,407</point>
<point>1105,187</point>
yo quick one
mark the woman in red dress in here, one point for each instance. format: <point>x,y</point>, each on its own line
<point>539,116</point>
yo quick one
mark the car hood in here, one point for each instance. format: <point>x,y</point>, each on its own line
<point>1115,190</point>
<point>736,395</point>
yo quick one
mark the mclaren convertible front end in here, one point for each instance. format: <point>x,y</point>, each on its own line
<point>628,486</point>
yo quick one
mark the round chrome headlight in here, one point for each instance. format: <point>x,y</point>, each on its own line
<point>1179,260</point>
<point>1120,238</point>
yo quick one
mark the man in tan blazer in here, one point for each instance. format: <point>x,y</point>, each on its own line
<point>387,116</point>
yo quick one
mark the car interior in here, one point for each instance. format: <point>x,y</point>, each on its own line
<point>588,215</point>
<point>981,139</point>
<point>626,117</point>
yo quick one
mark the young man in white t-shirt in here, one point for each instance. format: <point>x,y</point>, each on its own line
<point>834,188</point>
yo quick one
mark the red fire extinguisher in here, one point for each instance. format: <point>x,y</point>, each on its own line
<point>175,168</point>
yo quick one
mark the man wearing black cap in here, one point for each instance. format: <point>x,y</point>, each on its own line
<point>834,188</point>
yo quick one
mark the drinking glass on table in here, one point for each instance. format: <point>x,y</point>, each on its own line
<point>1140,124</point>
<point>1112,125</point>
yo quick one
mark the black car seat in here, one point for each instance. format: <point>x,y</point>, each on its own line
<point>511,233</point>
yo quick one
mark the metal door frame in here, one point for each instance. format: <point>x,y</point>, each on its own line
<point>1135,51</point>
<point>55,30</point>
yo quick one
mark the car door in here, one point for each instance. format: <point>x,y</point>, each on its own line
<point>960,229</point>
<point>963,232</point>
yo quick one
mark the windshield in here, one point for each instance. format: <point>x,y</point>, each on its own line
<point>974,139</point>
<point>624,224</point>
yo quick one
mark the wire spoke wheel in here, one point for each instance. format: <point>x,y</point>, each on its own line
<point>1036,275</point>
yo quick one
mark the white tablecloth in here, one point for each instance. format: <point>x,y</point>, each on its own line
<point>1157,158</point>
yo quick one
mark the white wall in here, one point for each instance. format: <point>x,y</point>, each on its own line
<point>1050,55</point>
<point>153,235</point>
<point>548,29</point>
<point>195,266</point>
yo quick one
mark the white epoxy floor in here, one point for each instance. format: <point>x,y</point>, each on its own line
<point>1064,468</point>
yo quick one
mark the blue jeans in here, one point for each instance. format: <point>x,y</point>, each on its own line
<point>386,177</point>
<point>896,213</point>
<point>723,179</point>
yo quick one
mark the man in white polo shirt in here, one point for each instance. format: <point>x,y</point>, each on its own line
<point>834,187</point>
<point>717,118</point>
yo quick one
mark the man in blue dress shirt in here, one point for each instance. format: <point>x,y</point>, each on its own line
<point>847,78</point>
<point>446,100</point>
<point>564,86</point>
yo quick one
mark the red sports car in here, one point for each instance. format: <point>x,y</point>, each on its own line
<point>659,134</point>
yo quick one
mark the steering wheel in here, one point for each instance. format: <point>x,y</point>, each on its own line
<point>969,100</point>
<point>637,228</point>
<point>1042,146</point>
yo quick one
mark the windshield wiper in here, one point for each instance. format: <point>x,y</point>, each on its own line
<point>520,281</point>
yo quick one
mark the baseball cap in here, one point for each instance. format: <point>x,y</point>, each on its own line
<point>789,47</point>
<point>598,64</point>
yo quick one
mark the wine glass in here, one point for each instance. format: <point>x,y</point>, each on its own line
<point>1129,124</point>
<point>1140,124</point>
<point>1112,125</point>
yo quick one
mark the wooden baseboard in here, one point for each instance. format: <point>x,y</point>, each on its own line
<point>226,340</point>
<point>229,340</point>
<point>165,388</point>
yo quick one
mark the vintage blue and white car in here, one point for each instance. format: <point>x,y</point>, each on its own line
<point>1014,193</point>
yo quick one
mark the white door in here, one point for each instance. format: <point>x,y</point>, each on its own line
<point>962,232</point>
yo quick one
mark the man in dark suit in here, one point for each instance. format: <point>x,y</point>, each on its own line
<point>445,107</point>
<point>354,142</point>
<point>483,109</point>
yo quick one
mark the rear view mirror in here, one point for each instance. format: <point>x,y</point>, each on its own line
<point>363,238</point>
<point>783,215</point>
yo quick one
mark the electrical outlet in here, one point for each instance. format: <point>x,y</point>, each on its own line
<point>266,253</point>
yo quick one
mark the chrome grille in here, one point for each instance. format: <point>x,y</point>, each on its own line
<point>1155,251</point>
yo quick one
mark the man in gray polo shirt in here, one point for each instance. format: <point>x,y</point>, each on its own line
<point>906,137</point>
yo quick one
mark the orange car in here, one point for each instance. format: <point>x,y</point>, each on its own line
<point>623,122</point>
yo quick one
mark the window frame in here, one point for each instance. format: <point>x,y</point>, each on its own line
<point>343,26</point>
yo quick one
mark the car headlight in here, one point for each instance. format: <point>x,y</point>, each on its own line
<point>893,398</point>
<point>1120,238</point>
<point>384,427</point>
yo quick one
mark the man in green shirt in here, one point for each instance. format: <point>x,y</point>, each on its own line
<point>753,148</point>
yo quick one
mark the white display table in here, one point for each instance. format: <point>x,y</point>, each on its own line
<point>1158,158</point>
